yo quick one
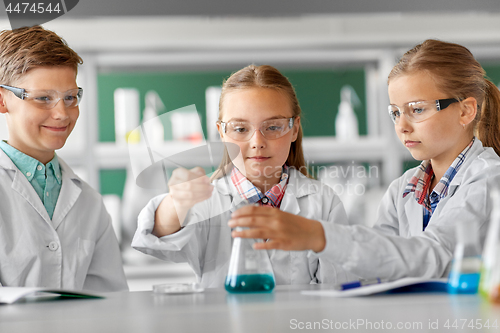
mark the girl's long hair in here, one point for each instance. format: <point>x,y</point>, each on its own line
<point>460,75</point>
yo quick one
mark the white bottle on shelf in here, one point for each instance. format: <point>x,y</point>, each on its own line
<point>151,122</point>
<point>212,97</point>
<point>346,123</point>
<point>126,114</point>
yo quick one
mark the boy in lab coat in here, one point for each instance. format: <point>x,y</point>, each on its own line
<point>54,229</point>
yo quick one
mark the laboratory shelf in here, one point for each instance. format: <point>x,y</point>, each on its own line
<point>113,156</point>
<point>317,150</point>
<point>324,43</point>
<point>364,149</point>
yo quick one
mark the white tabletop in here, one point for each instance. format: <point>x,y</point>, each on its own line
<point>284,310</point>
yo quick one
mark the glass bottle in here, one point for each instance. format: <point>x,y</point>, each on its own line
<point>464,275</point>
<point>494,289</point>
<point>250,270</point>
<point>491,246</point>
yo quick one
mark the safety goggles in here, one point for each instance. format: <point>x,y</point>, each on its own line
<point>417,112</point>
<point>270,129</point>
<point>47,99</point>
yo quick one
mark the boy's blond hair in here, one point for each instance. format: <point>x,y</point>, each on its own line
<point>31,47</point>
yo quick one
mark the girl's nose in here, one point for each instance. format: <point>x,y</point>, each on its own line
<point>258,140</point>
<point>403,125</point>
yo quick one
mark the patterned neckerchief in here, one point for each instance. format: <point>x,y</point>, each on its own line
<point>252,194</point>
<point>422,179</point>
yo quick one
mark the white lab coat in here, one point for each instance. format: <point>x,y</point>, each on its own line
<point>77,249</point>
<point>205,243</point>
<point>397,247</point>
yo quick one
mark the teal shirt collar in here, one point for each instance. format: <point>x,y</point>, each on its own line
<point>27,164</point>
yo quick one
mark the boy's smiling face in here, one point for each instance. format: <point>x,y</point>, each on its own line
<point>35,131</point>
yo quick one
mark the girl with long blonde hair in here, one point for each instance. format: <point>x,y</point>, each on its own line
<point>258,113</point>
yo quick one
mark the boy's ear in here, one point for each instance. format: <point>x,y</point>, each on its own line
<point>468,111</point>
<point>295,128</point>
<point>3,107</point>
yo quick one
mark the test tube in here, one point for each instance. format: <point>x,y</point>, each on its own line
<point>464,275</point>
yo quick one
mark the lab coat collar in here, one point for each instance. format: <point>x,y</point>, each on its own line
<point>6,162</point>
<point>225,187</point>
<point>70,191</point>
<point>414,212</point>
<point>21,185</point>
<point>298,186</point>
<point>475,150</point>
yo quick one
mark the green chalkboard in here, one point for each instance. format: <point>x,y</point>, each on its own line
<point>493,72</point>
<point>112,181</point>
<point>318,92</point>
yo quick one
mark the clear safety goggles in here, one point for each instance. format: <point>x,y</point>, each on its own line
<point>270,129</point>
<point>47,99</point>
<point>417,112</point>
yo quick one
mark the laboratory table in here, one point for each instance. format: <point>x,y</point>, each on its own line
<point>283,310</point>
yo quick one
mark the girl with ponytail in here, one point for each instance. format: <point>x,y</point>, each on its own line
<point>447,114</point>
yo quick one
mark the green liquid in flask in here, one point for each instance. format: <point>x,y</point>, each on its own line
<point>248,283</point>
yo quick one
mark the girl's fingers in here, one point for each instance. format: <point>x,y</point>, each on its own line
<point>185,181</point>
<point>269,245</point>
<point>181,175</point>
<point>249,221</point>
<point>198,171</point>
<point>254,210</point>
<point>257,233</point>
<point>192,187</point>
<point>191,196</point>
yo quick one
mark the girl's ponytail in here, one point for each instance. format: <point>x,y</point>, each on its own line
<point>488,127</point>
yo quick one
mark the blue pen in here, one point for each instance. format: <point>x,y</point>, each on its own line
<point>359,283</point>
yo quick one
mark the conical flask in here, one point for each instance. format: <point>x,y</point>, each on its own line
<point>249,269</point>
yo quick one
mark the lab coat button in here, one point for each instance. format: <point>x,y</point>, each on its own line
<point>53,246</point>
